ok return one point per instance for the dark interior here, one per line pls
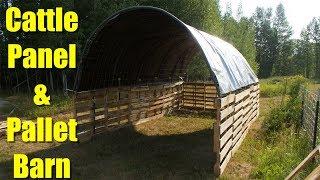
(136, 47)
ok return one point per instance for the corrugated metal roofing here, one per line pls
(147, 44)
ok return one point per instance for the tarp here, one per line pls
(147, 44)
(231, 69)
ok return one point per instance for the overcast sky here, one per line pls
(299, 12)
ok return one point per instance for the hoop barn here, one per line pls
(133, 68)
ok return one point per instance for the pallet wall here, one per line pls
(112, 108)
(200, 95)
(236, 113)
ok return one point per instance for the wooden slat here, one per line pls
(242, 95)
(225, 150)
(225, 125)
(237, 122)
(227, 100)
(225, 162)
(226, 136)
(226, 112)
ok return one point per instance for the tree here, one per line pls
(314, 27)
(265, 40)
(284, 45)
(304, 55)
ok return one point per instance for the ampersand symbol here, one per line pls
(40, 98)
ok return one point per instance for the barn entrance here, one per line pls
(134, 70)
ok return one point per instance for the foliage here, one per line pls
(288, 114)
(271, 88)
(277, 160)
(25, 107)
(241, 34)
(198, 69)
(283, 45)
(314, 35)
(265, 40)
(268, 155)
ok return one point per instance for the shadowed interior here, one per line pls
(136, 47)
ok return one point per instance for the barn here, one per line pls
(133, 70)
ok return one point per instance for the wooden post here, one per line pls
(216, 141)
(204, 96)
(182, 86)
(302, 106)
(74, 112)
(130, 105)
(194, 96)
(118, 108)
(106, 109)
(93, 114)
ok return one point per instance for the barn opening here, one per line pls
(134, 69)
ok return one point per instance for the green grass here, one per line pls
(25, 107)
(176, 146)
(277, 86)
(273, 148)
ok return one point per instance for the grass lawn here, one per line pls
(24, 106)
(170, 147)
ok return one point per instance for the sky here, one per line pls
(298, 12)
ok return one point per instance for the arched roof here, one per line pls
(147, 44)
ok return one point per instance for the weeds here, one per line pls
(24, 106)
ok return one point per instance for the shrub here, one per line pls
(289, 113)
(271, 90)
(277, 160)
(278, 86)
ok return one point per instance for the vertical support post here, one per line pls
(194, 96)
(118, 106)
(130, 105)
(177, 95)
(182, 86)
(139, 109)
(216, 140)
(74, 112)
(204, 95)
(93, 114)
(302, 106)
(106, 109)
(315, 131)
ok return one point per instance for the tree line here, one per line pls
(265, 39)
(278, 54)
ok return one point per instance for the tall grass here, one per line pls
(285, 148)
(277, 86)
(25, 107)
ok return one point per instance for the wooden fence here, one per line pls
(235, 114)
(200, 95)
(112, 108)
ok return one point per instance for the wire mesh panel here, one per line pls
(310, 115)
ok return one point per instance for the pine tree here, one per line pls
(265, 41)
(304, 55)
(314, 27)
(284, 44)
